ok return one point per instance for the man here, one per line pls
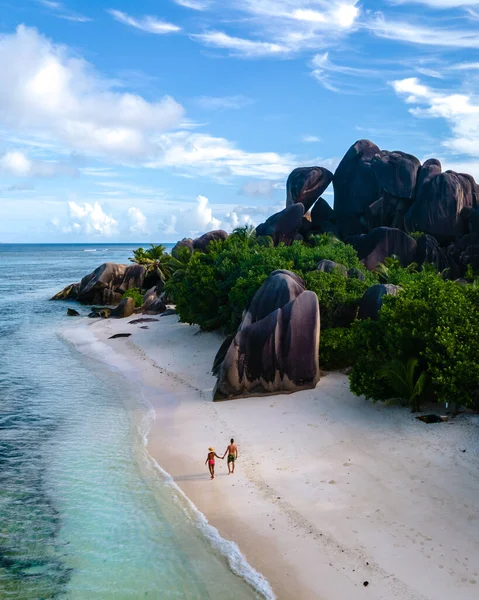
(232, 452)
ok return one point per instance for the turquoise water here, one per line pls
(84, 513)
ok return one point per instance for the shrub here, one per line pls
(431, 320)
(336, 348)
(218, 286)
(338, 297)
(136, 294)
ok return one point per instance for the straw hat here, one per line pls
(211, 449)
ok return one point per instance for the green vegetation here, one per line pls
(216, 287)
(423, 346)
(136, 294)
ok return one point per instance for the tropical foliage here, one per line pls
(136, 294)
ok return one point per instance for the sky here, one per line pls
(156, 120)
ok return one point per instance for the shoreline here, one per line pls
(371, 496)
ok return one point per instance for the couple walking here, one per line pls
(231, 451)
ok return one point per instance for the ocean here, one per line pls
(84, 512)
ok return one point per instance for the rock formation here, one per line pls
(276, 346)
(306, 184)
(125, 309)
(372, 300)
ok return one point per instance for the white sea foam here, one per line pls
(93, 250)
(88, 344)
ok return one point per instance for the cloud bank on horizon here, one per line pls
(165, 120)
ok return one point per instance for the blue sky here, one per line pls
(155, 120)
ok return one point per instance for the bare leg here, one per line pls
(234, 462)
(211, 471)
(229, 468)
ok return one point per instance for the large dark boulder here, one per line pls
(276, 354)
(439, 204)
(288, 224)
(372, 300)
(355, 188)
(70, 292)
(306, 184)
(279, 288)
(396, 172)
(323, 218)
(125, 309)
(374, 247)
(102, 285)
(429, 251)
(429, 169)
(184, 243)
(466, 252)
(201, 243)
(329, 266)
(152, 302)
(133, 277)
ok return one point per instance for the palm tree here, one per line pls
(156, 261)
(401, 377)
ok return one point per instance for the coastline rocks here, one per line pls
(355, 188)
(323, 218)
(278, 353)
(372, 300)
(152, 303)
(438, 206)
(71, 312)
(100, 286)
(278, 289)
(133, 277)
(100, 312)
(119, 335)
(184, 243)
(396, 172)
(306, 184)
(201, 243)
(125, 309)
(374, 247)
(429, 251)
(70, 292)
(429, 169)
(329, 266)
(288, 224)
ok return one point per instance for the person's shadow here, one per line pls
(197, 476)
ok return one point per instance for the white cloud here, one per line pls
(148, 24)
(240, 46)
(192, 220)
(310, 139)
(15, 163)
(443, 3)
(137, 222)
(417, 34)
(18, 164)
(213, 156)
(260, 188)
(223, 102)
(62, 12)
(324, 71)
(59, 96)
(461, 111)
(286, 27)
(88, 219)
(194, 4)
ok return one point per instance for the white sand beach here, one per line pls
(334, 497)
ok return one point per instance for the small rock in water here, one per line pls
(71, 312)
(144, 327)
(119, 335)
